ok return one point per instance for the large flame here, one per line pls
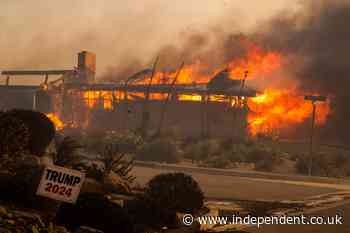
(281, 108)
(257, 62)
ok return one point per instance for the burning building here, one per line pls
(75, 99)
(187, 101)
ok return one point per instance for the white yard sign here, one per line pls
(60, 183)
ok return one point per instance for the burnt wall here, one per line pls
(182, 118)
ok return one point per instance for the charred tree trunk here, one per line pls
(166, 101)
(145, 117)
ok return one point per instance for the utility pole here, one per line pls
(314, 100)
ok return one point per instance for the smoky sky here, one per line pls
(318, 40)
(48, 34)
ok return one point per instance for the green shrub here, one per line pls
(302, 164)
(218, 162)
(93, 142)
(324, 164)
(41, 129)
(203, 150)
(126, 142)
(165, 195)
(264, 159)
(237, 153)
(25, 130)
(257, 154)
(14, 135)
(160, 150)
(266, 164)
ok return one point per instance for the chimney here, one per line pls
(86, 66)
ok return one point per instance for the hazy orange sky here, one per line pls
(48, 33)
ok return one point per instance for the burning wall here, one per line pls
(184, 118)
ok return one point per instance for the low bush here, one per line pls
(218, 162)
(176, 191)
(202, 150)
(127, 142)
(237, 153)
(159, 150)
(14, 135)
(41, 129)
(323, 164)
(165, 195)
(94, 143)
(25, 130)
(264, 159)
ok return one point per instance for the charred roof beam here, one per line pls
(34, 72)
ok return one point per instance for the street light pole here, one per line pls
(312, 137)
(313, 100)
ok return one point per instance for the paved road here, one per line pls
(343, 210)
(247, 188)
(234, 187)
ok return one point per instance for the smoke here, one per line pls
(314, 39)
(211, 49)
(317, 38)
(49, 34)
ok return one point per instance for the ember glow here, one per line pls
(190, 73)
(56, 120)
(94, 98)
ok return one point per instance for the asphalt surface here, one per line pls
(243, 188)
(248, 188)
(343, 210)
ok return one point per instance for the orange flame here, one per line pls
(257, 62)
(59, 125)
(94, 98)
(276, 109)
(192, 73)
